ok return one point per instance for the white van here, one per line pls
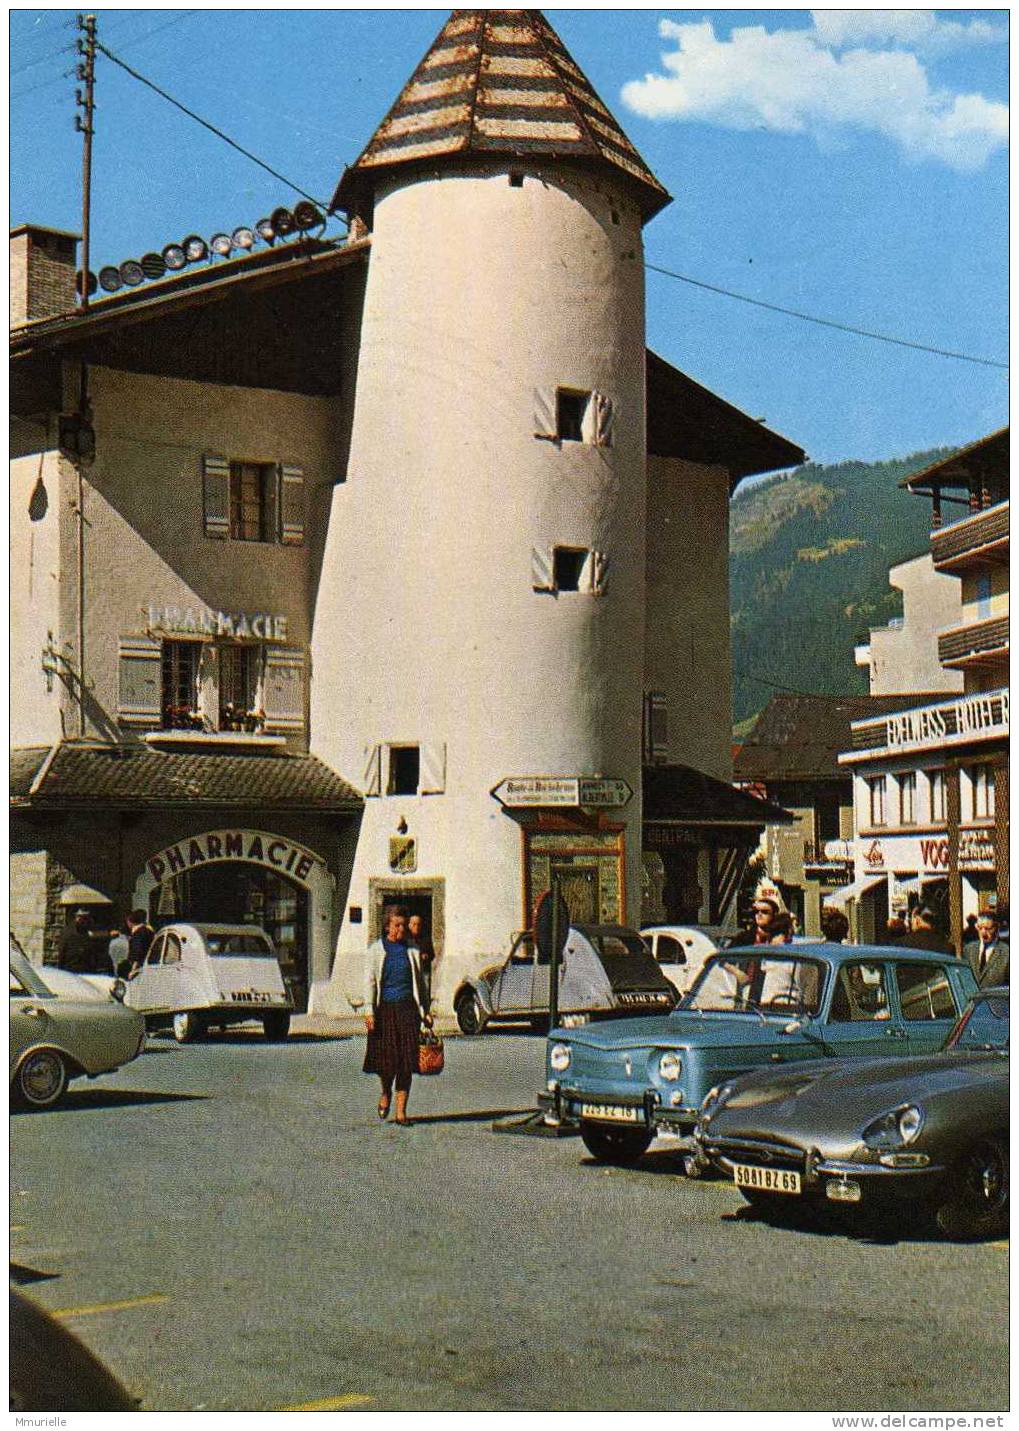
(202, 976)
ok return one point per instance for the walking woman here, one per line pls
(394, 999)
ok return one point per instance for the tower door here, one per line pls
(578, 885)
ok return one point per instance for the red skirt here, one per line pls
(392, 1051)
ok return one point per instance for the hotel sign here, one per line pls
(954, 720)
(203, 621)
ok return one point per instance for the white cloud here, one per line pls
(788, 81)
(919, 29)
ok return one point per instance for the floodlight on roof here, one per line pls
(283, 222)
(79, 283)
(265, 231)
(243, 237)
(221, 244)
(306, 216)
(174, 257)
(110, 279)
(132, 273)
(153, 265)
(195, 248)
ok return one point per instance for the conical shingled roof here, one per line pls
(499, 81)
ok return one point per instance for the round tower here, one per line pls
(480, 615)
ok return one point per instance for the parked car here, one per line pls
(927, 1133)
(50, 1369)
(57, 1038)
(606, 969)
(774, 1004)
(202, 976)
(682, 950)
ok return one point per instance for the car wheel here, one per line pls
(469, 1014)
(974, 1202)
(41, 1079)
(276, 1026)
(620, 1146)
(187, 1026)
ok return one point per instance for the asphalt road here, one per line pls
(229, 1226)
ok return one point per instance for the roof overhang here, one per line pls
(983, 461)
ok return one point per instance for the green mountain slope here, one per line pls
(809, 559)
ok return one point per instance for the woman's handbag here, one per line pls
(431, 1054)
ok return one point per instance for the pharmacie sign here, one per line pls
(251, 846)
(203, 621)
(954, 720)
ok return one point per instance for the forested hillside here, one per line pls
(810, 554)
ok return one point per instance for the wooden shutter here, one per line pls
(291, 506)
(372, 779)
(598, 573)
(432, 779)
(283, 689)
(208, 686)
(140, 682)
(604, 419)
(542, 572)
(545, 421)
(216, 497)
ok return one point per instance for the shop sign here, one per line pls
(838, 851)
(669, 837)
(252, 846)
(203, 621)
(953, 720)
(403, 854)
(929, 854)
(874, 856)
(976, 848)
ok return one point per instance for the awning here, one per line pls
(82, 894)
(846, 892)
(680, 795)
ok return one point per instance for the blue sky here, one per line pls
(851, 164)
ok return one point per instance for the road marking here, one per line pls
(333, 1403)
(1002, 1246)
(93, 1307)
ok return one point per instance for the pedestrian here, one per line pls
(120, 950)
(924, 935)
(140, 936)
(988, 953)
(896, 930)
(82, 947)
(417, 938)
(970, 933)
(395, 1011)
(834, 926)
(782, 928)
(766, 911)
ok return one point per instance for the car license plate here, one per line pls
(772, 1180)
(612, 1112)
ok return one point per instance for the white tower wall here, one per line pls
(427, 629)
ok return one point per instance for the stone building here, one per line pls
(387, 569)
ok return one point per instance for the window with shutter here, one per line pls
(433, 769)
(139, 700)
(604, 412)
(283, 690)
(545, 413)
(542, 577)
(291, 506)
(656, 727)
(216, 497)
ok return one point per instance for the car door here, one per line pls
(512, 989)
(670, 955)
(862, 1019)
(30, 1017)
(155, 987)
(927, 1004)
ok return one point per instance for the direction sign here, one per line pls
(605, 792)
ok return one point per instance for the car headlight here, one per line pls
(715, 1098)
(896, 1129)
(670, 1066)
(559, 1057)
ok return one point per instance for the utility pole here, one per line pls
(86, 46)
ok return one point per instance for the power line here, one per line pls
(826, 322)
(41, 59)
(129, 40)
(212, 128)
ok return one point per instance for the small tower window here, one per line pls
(571, 410)
(516, 181)
(404, 769)
(567, 567)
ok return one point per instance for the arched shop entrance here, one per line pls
(248, 877)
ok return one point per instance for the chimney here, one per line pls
(43, 266)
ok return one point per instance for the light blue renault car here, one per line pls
(626, 1080)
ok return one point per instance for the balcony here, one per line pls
(978, 643)
(974, 541)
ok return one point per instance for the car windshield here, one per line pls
(251, 946)
(748, 983)
(983, 1025)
